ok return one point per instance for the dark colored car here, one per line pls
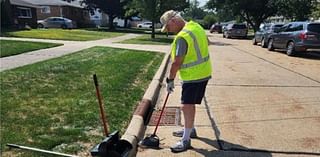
(262, 35)
(235, 30)
(296, 37)
(216, 28)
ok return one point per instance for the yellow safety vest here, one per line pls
(196, 64)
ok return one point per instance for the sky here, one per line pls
(203, 2)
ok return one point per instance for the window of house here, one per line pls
(24, 12)
(45, 10)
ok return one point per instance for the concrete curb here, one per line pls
(137, 126)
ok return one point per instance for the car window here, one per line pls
(239, 26)
(296, 27)
(289, 28)
(314, 27)
(277, 26)
(50, 19)
(284, 28)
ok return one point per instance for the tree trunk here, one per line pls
(153, 32)
(125, 23)
(111, 27)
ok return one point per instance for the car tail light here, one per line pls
(304, 36)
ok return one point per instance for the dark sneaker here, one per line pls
(181, 146)
(180, 133)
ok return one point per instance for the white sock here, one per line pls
(186, 134)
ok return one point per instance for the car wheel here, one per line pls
(63, 26)
(227, 36)
(263, 43)
(254, 41)
(290, 49)
(139, 26)
(223, 36)
(40, 25)
(270, 45)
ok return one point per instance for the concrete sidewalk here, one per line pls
(247, 113)
(69, 47)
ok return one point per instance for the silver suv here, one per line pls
(296, 37)
(263, 34)
(56, 22)
(235, 30)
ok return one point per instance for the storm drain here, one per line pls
(171, 117)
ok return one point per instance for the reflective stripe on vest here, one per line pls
(199, 57)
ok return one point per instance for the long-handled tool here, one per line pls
(111, 146)
(153, 141)
(40, 150)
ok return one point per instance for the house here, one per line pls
(18, 14)
(59, 8)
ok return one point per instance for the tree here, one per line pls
(209, 19)
(153, 9)
(296, 10)
(254, 12)
(113, 8)
(194, 11)
(6, 13)
(316, 11)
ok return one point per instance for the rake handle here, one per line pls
(163, 107)
(103, 117)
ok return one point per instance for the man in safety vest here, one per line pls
(190, 57)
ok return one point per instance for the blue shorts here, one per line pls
(192, 93)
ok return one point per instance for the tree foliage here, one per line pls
(209, 19)
(316, 11)
(153, 9)
(113, 8)
(194, 11)
(254, 12)
(297, 10)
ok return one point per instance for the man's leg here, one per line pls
(189, 111)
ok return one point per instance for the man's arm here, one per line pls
(175, 66)
(181, 51)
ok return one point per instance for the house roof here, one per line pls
(53, 3)
(24, 3)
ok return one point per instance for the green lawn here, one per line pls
(63, 34)
(11, 47)
(146, 39)
(52, 104)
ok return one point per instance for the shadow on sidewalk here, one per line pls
(228, 150)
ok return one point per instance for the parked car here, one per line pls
(55, 22)
(296, 37)
(235, 30)
(216, 28)
(145, 25)
(262, 35)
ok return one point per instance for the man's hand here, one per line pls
(170, 85)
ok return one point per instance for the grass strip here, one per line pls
(12, 47)
(52, 104)
(146, 39)
(62, 34)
